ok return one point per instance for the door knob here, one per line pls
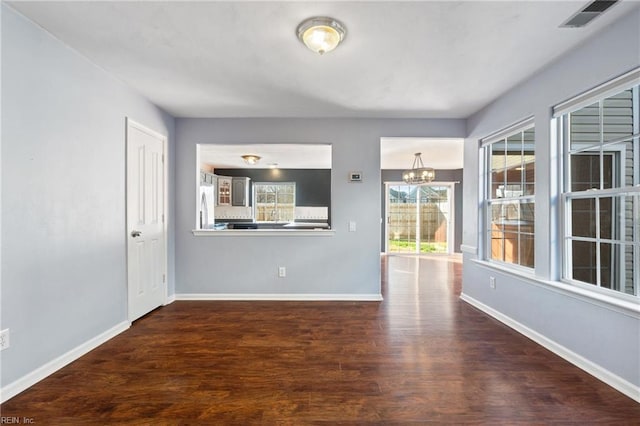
(135, 233)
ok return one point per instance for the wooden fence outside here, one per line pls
(433, 226)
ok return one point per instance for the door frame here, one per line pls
(130, 123)
(452, 205)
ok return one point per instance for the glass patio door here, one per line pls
(401, 219)
(419, 218)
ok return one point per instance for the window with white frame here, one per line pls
(509, 194)
(599, 133)
(274, 201)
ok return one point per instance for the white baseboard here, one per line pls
(282, 297)
(613, 380)
(170, 300)
(25, 382)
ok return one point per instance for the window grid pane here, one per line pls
(275, 202)
(511, 231)
(509, 198)
(602, 212)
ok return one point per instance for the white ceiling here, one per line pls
(284, 156)
(439, 153)
(242, 59)
(395, 153)
(416, 59)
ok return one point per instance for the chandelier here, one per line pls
(418, 172)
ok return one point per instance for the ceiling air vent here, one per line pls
(588, 13)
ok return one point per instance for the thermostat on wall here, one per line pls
(355, 176)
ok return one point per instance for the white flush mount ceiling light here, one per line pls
(418, 172)
(321, 33)
(251, 159)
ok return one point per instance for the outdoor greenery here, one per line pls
(410, 245)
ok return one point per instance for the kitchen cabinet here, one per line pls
(207, 178)
(224, 191)
(240, 191)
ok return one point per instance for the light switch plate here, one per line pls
(4, 339)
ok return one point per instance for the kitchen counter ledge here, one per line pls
(263, 232)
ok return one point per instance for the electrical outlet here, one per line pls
(352, 226)
(492, 282)
(4, 339)
(282, 271)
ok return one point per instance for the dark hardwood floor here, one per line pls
(421, 356)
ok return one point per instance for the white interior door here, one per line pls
(146, 245)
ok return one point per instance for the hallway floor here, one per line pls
(420, 356)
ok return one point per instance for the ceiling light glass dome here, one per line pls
(321, 34)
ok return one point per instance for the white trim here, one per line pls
(613, 380)
(464, 248)
(197, 189)
(602, 193)
(263, 233)
(451, 237)
(615, 303)
(142, 128)
(387, 217)
(520, 126)
(30, 379)
(612, 87)
(169, 300)
(364, 297)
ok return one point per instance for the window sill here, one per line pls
(263, 232)
(620, 303)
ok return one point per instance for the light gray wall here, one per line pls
(602, 335)
(347, 263)
(63, 196)
(455, 175)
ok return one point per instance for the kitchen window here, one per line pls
(599, 132)
(275, 201)
(509, 195)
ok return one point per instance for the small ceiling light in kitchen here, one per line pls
(321, 33)
(418, 172)
(251, 159)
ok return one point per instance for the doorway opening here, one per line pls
(419, 218)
